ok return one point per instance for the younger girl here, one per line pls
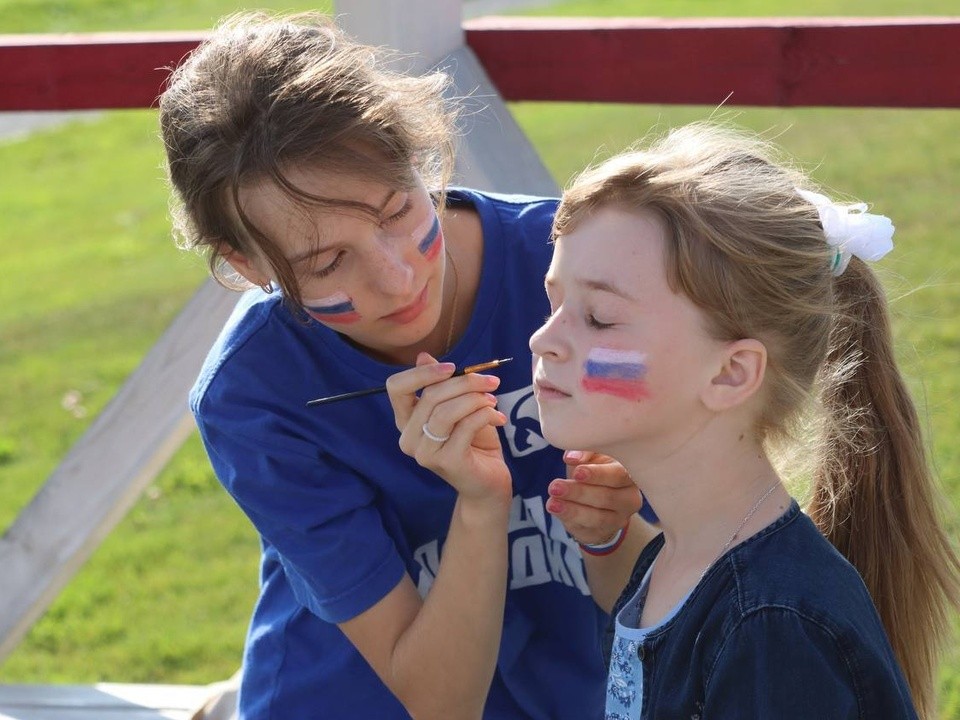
(700, 296)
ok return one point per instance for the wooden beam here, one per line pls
(103, 701)
(853, 62)
(88, 71)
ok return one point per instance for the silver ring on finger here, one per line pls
(435, 438)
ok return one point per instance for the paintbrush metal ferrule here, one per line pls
(480, 367)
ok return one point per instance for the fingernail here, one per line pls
(491, 397)
(444, 368)
(580, 474)
(557, 489)
(573, 455)
(554, 506)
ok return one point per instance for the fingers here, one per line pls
(442, 415)
(404, 386)
(598, 469)
(598, 501)
(462, 436)
(441, 405)
(623, 500)
(579, 457)
(587, 524)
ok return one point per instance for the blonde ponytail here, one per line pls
(874, 496)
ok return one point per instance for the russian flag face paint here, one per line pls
(336, 309)
(615, 372)
(432, 242)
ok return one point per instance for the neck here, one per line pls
(704, 489)
(463, 237)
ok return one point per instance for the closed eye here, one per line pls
(596, 324)
(334, 264)
(399, 215)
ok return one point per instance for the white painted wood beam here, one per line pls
(106, 470)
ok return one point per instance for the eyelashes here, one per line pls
(396, 217)
(596, 324)
(324, 271)
(399, 215)
(590, 320)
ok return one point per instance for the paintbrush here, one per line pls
(480, 367)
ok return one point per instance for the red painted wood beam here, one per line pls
(894, 62)
(88, 71)
(855, 62)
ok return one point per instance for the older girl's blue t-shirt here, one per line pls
(342, 513)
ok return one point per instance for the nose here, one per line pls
(546, 341)
(393, 274)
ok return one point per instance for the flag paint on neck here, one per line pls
(432, 242)
(336, 308)
(615, 372)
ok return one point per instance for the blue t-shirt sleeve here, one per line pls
(317, 514)
(779, 664)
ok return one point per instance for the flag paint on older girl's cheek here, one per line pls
(432, 242)
(336, 308)
(615, 372)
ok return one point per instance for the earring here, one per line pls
(267, 287)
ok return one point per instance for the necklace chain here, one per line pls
(746, 519)
(453, 304)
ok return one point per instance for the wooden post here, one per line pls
(424, 30)
(493, 154)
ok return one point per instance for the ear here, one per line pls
(249, 268)
(743, 364)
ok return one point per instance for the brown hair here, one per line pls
(266, 93)
(750, 252)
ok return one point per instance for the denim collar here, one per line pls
(654, 547)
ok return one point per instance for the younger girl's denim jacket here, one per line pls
(780, 628)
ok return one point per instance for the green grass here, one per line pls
(31, 16)
(92, 278)
(749, 8)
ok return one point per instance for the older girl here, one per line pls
(307, 170)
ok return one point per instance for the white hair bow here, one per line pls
(851, 230)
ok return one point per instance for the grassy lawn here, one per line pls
(93, 278)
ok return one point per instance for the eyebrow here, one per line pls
(307, 254)
(314, 251)
(598, 286)
(604, 286)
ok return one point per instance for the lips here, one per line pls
(411, 312)
(547, 390)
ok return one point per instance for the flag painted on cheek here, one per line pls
(432, 243)
(336, 308)
(614, 372)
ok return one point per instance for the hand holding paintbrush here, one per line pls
(448, 422)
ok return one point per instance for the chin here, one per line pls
(415, 333)
(559, 436)
(567, 437)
